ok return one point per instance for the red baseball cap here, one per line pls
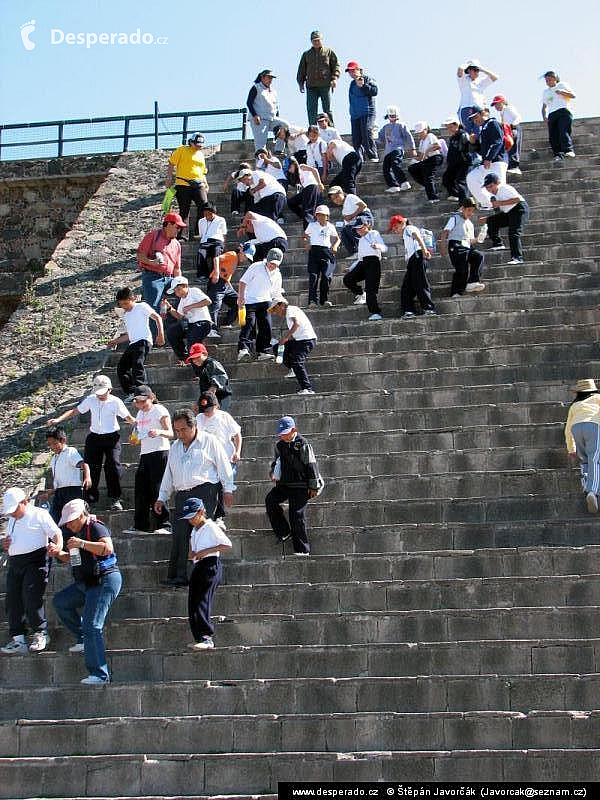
(396, 220)
(499, 98)
(173, 217)
(352, 65)
(195, 351)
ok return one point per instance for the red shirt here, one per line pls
(157, 242)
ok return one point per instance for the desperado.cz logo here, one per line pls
(58, 37)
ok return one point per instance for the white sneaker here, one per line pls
(374, 160)
(213, 335)
(375, 317)
(327, 304)
(116, 505)
(243, 354)
(280, 220)
(430, 313)
(76, 648)
(360, 299)
(163, 530)
(558, 159)
(435, 200)
(393, 189)
(591, 502)
(16, 645)
(497, 247)
(290, 374)
(407, 315)
(206, 643)
(455, 297)
(474, 287)
(570, 154)
(265, 357)
(404, 187)
(94, 680)
(514, 171)
(453, 198)
(305, 391)
(515, 261)
(39, 642)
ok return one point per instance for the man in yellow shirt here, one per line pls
(188, 168)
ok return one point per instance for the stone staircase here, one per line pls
(445, 627)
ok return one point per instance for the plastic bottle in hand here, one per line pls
(481, 236)
(242, 316)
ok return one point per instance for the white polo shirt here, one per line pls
(32, 532)
(222, 425)
(272, 185)
(351, 204)
(216, 228)
(321, 235)
(194, 295)
(65, 471)
(411, 246)
(471, 92)
(314, 153)
(306, 177)
(103, 413)
(305, 329)
(266, 229)
(204, 461)
(262, 284)
(366, 242)
(137, 323)
(508, 192)
(207, 536)
(553, 101)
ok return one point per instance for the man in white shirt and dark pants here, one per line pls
(196, 465)
(28, 533)
(555, 111)
(212, 230)
(298, 341)
(512, 212)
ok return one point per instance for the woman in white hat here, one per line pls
(429, 158)
(83, 606)
(582, 435)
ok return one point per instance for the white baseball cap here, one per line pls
(72, 510)
(322, 210)
(101, 385)
(11, 499)
(180, 281)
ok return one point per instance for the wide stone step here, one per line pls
(374, 595)
(219, 774)
(435, 625)
(369, 731)
(300, 695)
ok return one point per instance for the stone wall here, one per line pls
(39, 202)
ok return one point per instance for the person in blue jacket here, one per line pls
(361, 95)
(491, 149)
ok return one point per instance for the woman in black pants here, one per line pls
(430, 159)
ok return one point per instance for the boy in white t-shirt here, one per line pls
(193, 306)
(322, 240)
(136, 317)
(207, 542)
(298, 341)
(70, 473)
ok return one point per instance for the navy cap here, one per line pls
(475, 110)
(285, 425)
(491, 178)
(191, 507)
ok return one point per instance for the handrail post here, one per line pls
(184, 132)
(156, 125)
(60, 139)
(126, 135)
(244, 120)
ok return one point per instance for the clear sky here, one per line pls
(214, 50)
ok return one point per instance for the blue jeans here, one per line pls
(87, 624)
(154, 287)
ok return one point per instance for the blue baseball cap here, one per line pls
(191, 507)
(249, 249)
(285, 425)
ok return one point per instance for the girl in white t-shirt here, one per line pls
(322, 241)
(154, 432)
(429, 159)
(415, 283)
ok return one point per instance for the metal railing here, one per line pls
(118, 134)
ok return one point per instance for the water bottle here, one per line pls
(75, 557)
(481, 236)
(279, 355)
(164, 304)
(242, 316)
(159, 258)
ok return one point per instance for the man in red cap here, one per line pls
(361, 95)
(159, 259)
(211, 374)
(509, 116)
